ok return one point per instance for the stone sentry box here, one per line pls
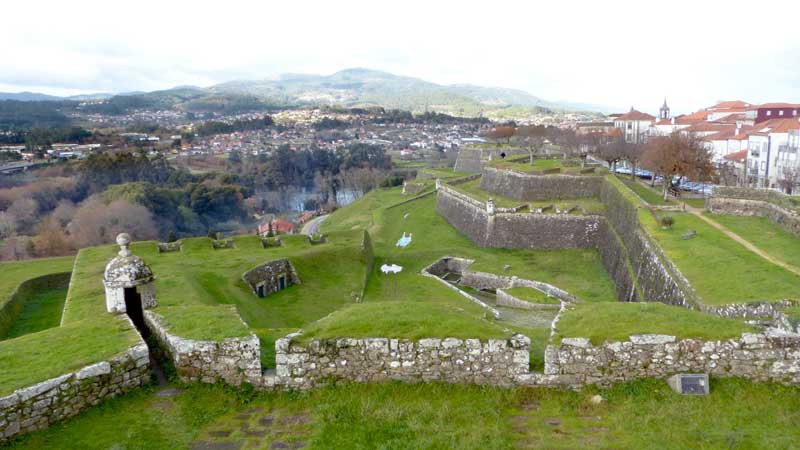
(270, 277)
(128, 281)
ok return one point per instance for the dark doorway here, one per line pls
(282, 282)
(261, 291)
(133, 305)
(503, 155)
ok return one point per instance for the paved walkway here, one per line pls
(310, 228)
(744, 242)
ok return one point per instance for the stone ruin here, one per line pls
(271, 277)
(129, 282)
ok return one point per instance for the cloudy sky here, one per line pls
(618, 53)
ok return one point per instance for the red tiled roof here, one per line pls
(282, 226)
(728, 105)
(636, 115)
(776, 105)
(739, 156)
(701, 127)
(777, 126)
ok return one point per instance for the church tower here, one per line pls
(664, 111)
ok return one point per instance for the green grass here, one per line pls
(196, 287)
(650, 195)
(16, 272)
(443, 173)
(720, 270)
(616, 321)
(36, 357)
(764, 234)
(640, 415)
(473, 190)
(408, 320)
(532, 295)
(695, 202)
(40, 312)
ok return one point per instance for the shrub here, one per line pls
(667, 222)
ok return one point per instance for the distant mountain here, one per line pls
(347, 88)
(27, 96)
(364, 87)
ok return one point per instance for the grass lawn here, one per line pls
(16, 272)
(637, 415)
(473, 189)
(616, 321)
(695, 202)
(36, 357)
(648, 194)
(720, 269)
(429, 173)
(40, 312)
(532, 295)
(764, 234)
(408, 320)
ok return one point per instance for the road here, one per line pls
(312, 226)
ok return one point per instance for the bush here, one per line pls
(392, 181)
(667, 222)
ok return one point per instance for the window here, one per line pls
(769, 113)
(780, 113)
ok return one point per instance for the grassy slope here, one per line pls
(639, 415)
(37, 357)
(719, 269)
(40, 312)
(16, 272)
(765, 235)
(650, 195)
(615, 321)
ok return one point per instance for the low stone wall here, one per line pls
(496, 362)
(11, 307)
(232, 360)
(760, 357)
(474, 159)
(39, 406)
(515, 230)
(785, 218)
(525, 187)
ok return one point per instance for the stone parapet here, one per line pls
(40, 405)
(232, 360)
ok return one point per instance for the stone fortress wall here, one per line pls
(779, 208)
(474, 159)
(40, 405)
(638, 267)
(232, 360)
(771, 357)
(515, 230)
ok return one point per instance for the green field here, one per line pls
(16, 272)
(473, 189)
(720, 269)
(641, 415)
(764, 234)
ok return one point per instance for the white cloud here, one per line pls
(621, 53)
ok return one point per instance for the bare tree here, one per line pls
(789, 179)
(533, 136)
(51, 240)
(633, 154)
(501, 132)
(678, 155)
(97, 223)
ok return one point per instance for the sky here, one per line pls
(617, 54)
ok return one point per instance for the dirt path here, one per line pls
(311, 227)
(699, 213)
